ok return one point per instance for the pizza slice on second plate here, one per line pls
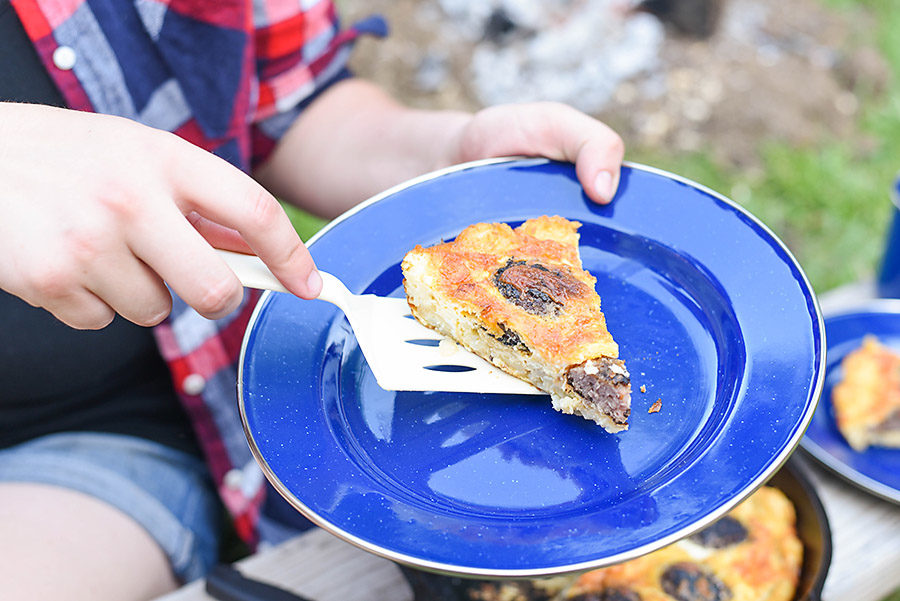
(867, 399)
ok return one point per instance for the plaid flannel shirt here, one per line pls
(229, 76)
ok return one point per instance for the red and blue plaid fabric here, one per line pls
(229, 76)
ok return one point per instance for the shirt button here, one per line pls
(193, 384)
(234, 478)
(64, 58)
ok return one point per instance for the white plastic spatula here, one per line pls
(402, 353)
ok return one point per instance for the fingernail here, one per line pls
(314, 283)
(603, 185)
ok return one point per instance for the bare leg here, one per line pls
(60, 544)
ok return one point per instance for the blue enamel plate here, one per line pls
(713, 316)
(877, 469)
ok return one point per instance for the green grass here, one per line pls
(829, 204)
(305, 224)
(829, 208)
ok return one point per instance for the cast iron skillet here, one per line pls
(812, 527)
(791, 479)
(227, 584)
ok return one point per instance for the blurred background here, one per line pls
(789, 107)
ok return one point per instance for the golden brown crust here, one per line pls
(465, 269)
(751, 554)
(867, 399)
(762, 563)
(767, 566)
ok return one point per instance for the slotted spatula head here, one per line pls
(402, 353)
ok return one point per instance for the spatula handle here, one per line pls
(253, 273)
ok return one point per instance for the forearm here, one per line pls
(355, 141)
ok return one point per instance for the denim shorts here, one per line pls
(168, 492)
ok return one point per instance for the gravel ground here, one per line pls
(771, 70)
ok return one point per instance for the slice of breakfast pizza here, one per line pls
(520, 299)
(867, 400)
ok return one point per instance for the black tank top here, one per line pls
(54, 378)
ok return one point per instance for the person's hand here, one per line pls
(552, 130)
(97, 212)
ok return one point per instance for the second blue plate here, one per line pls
(877, 469)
